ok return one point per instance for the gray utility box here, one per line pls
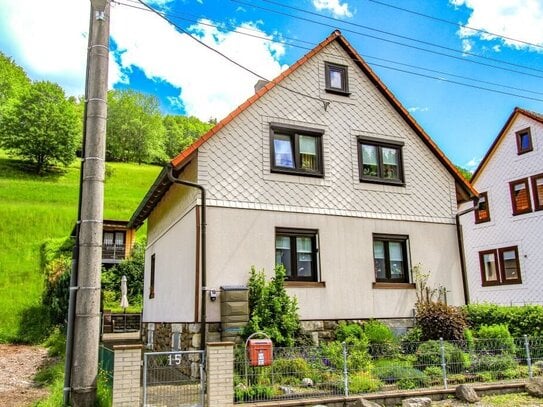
(234, 311)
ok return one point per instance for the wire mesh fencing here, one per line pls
(173, 379)
(341, 369)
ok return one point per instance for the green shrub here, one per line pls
(494, 339)
(521, 320)
(363, 382)
(271, 310)
(401, 373)
(409, 341)
(345, 331)
(382, 340)
(253, 393)
(358, 357)
(439, 320)
(429, 354)
(297, 368)
(492, 363)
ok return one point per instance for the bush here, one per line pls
(521, 320)
(494, 339)
(363, 382)
(429, 354)
(271, 310)
(381, 339)
(358, 357)
(253, 393)
(297, 368)
(439, 320)
(410, 340)
(346, 331)
(492, 363)
(401, 373)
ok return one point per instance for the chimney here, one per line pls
(260, 84)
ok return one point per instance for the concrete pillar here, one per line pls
(126, 375)
(220, 374)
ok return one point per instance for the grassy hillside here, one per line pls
(33, 209)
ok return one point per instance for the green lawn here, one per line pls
(33, 209)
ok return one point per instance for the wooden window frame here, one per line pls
(512, 184)
(152, 277)
(403, 239)
(500, 267)
(344, 89)
(478, 217)
(380, 144)
(292, 234)
(294, 132)
(538, 203)
(518, 135)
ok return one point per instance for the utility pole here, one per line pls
(86, 324)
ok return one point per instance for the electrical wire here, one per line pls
(379, 31)
(531, 44)
(150, 9)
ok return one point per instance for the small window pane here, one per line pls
(489, 262)
(119, 239)
(283, 253)
(369, 160)
(379, 259)
(336, 79)
(284, 156)
(510, 265)
(522, 201)
(308, 152)
(538, 191)
(108, 238)
(390, 163)
(525, 141)
(396, 259)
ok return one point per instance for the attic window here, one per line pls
(336, 79)
(524, 141)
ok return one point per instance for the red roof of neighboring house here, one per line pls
(162, 184)
(533, 115)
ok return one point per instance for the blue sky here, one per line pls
(404, 41)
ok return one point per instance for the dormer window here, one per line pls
(336, 79)
(524, 141)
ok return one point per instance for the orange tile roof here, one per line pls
(161, 184)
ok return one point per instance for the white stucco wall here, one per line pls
(504, 229)
(239, 239)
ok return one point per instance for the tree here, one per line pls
(134, 128)
(41, 127)
(13, 82)
(467, 174)
(182, 131)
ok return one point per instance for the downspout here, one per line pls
(460, 237)
(203, 252)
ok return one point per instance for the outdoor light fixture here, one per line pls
(212, 294)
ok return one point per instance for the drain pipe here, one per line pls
(460, 237)
(203, 252)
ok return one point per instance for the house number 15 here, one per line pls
(175, 360)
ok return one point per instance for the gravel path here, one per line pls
(18, 365)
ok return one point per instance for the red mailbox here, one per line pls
(260, 352)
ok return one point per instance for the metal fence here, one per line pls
(120, 322)
(106, 365)
(338, 369)
(173, 379)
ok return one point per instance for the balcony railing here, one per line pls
(113, 253)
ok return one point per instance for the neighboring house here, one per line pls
(503, 237)
(323, 171)
(117, 241)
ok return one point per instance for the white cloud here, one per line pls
(467, 45)
(50, 46)
(337, 8)
(417, 109)
(518, 19)
(472, 164)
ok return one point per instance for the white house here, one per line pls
(503, 239)
(322, 170)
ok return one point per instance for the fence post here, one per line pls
(443, 361)
(126, 375)
(528, 357)
(220, 374)
(345, 371)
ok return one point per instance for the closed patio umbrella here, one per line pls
(124, 292)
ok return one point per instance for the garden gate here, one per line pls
(174, 378)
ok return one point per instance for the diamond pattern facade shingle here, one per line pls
(235, 164)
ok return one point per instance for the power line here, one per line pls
(380, 31)
(150, 9)
(531, 44)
